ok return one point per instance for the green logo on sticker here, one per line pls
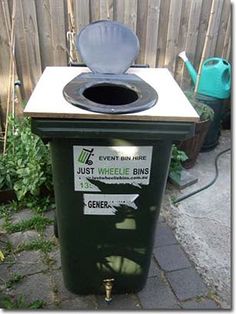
(85, 155)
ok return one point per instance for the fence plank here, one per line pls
(226, 50)
(94, 10)
(183, 32)
(223, 28)
(4, 57)
(130, 14)
(162, 33)
(152, 32)
(191, 38)
(104, 10)
(214, 29)
(58, 32)
(81, 14)
(119, 7)
(141, 28)
(45, 32)
(27, 45)
(172, 34)
(204, 18)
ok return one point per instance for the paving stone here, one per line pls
(56, 257)
(201, 305)
(58, 283)
(35, 287)
(5, 274)
(18, 238)
(157, 295)
(164, 235)
(28, 262)
(186, 283)
(154, 270)
(49, 232)
(161, 218)
(50, 214)
(171, 257)
(186, 179)
(24, 214)
(119, 302)
(79, 303)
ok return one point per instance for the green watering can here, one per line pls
(215, 76)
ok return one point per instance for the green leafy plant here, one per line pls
(177, 157)
(26, 165)
(204, 111)
(10, 303)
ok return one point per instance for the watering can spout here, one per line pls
(189, 66)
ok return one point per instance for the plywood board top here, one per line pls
(47, 100)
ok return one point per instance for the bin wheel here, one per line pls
(55, 227)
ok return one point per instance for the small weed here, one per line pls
(41, 205)
(213, 296)
(20, 303)
(8, 249)
(44, 245)
(38, 223)
(13, 280)
(5, 210)
(49, 261)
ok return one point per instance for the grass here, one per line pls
(45, 246)
(10, 303)
(38, 223)
(13, 280)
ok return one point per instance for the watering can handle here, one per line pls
(215, 59)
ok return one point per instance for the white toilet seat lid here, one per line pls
(107, 46)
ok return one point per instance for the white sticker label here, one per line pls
(107, 204)
(111, 165)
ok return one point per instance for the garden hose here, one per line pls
(209, 184)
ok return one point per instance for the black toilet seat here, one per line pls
(108, 48)
(111, 94)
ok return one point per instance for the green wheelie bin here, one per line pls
(109, 169)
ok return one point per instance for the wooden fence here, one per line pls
(34, 34)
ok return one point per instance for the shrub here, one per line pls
(26, 165)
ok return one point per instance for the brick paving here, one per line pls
(172, 283)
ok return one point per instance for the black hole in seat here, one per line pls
(109, 94)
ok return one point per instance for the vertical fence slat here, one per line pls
(104, 10)
(58, 32)
(183, 31)
(27, 45)
(130, 14)
(94, 10)
(81, 14)
(204, 18)
(214, 28)
(141, 28)
(172, 34)
(4, 57)
(223, 28)
(45, 32)
(162, 33)
(226, 50)
(119, 7)
(152, 32)
(191, 38)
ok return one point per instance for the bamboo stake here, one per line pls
(205, 46)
